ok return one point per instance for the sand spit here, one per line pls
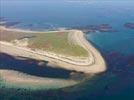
(13, 78)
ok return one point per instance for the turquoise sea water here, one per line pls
(117, 83)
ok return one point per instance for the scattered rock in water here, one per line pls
(106, 28)
(129, 25)
(96, 28)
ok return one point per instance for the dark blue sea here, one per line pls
(117, 47)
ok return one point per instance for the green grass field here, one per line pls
(56, 42)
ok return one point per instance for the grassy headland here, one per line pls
(56, 42)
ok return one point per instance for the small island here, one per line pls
(65, 49)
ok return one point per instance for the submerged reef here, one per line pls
(129, 25)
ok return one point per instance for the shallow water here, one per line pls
(31, 67)
(116, 47)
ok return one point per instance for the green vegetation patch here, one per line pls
(56, 42)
